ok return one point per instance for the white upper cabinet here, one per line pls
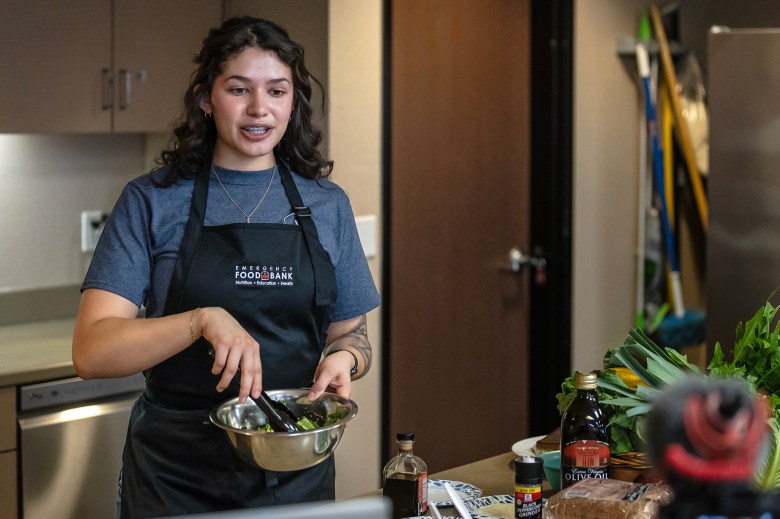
(96, 66)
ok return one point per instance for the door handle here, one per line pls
(108, 88)
(126, 79)
(518, 261)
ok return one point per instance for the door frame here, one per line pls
(551, 205)
(551, 209)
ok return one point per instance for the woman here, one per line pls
(247, 261)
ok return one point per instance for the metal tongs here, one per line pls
(279, 416)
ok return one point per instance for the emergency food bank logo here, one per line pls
(264, 275)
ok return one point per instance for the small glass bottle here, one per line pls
(584, 435)
(405, 480)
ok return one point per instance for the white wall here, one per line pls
(47, 180)
(605, 173)
(355, 146)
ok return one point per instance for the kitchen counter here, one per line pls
(36, 352)
(495, 476)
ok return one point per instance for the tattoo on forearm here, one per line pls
(357, 342)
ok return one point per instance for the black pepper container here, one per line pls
(529, 472)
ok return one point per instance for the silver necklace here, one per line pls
(247, 216)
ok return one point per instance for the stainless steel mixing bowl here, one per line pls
(281, 451)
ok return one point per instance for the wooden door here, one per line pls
(456, 358)
(154, 43)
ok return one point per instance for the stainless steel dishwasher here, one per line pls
(71, 435)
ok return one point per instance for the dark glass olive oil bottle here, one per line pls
(584, 435)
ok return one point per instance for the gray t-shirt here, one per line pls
(138, 248)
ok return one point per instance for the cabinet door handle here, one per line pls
(127, 89)
(108, 89)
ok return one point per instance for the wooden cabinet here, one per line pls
(52, 54)
(154, 44)
(93, 66)
(7, 418)
(8, 486)
(8, 480)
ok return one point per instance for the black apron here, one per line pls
(277, 281)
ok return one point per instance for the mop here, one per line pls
(683, 134)
(649, 253)
(684, 327)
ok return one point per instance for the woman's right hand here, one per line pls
(233, 347)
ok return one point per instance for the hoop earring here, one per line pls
(207, 115)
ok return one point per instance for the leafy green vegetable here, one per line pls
(305, 424)
(335, 416)
(767, 476)
(756, 358)
(626, 408)
(623, 436)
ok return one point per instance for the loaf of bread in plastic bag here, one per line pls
(609, 498)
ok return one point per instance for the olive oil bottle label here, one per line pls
(582, 459)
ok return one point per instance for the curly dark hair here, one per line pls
(191, 151)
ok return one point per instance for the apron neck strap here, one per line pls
(325, 292)
(191, 234)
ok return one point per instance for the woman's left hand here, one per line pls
(333, 374)
(346, 343)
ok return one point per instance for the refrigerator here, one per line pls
(743, 241)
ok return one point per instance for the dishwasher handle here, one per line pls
(75, 390)
(45, 419)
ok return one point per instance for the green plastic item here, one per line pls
(644, 27)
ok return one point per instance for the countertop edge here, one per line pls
(36, 351)
(38, 374)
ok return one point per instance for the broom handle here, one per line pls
(641, 238)
(658, 176)
(666, 144)
(682, 125)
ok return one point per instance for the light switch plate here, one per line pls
(366, 226)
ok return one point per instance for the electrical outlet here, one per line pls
(92, 223)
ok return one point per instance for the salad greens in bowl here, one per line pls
(323, 423)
